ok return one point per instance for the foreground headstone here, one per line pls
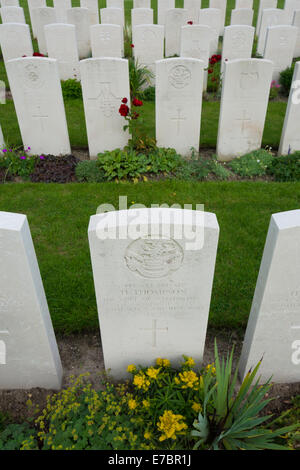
(62, 46)
(105, 82)
(29, 356)
(162, 7)
(112, 16)
(106, 40)
(61, 7)
(148, 43)
(263, 5)
(92, 6)
(221, 5)
(195, 43)
(290, 137)
(32, 4)
(270, 17)
(192, 7)
(151, 285)
(43, 16)
(237, 43)
(12, 15)
(80, 18)
(272, 334)
(279, 48)
(175, 18)
(179, 85)
(296, 22)
(15, 40)
(141, 16)
(37, 95)
(242, 16)
(243, 106)
(211, 17)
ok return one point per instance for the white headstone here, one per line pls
(148, 43)
(141, 3)
(31, 5)
(242, 16)
(115, 4)
(270, 17)
(92, 6)
(175, 18)
(106, 40)
(192, 7)
(15, 40)
(237, 43)
(9, 3)
(105, 82)
(221, 5)
(263, 5)
(141, 16)
(296, 22)
(280, 46)
(80, 18)
(195, 43)
(290, 137)
(179, 85)
(152, 286)
(37, 95)
(162, 7)
(12, 15)
(212, 17)
(43, 16)
(29, 356)
(290, 6)
(112, 16)
(243, 4)
(272, 334)
(243, 106)
(62, 45)
(2, 143)
(61, 7)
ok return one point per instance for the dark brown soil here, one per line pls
(83, 353)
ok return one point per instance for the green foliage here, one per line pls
(199, 168)
(285, 79)
(127, 41)
(71, 89)
(139, 77)
(12, 437)
(252, 164)
(149, 94)
(285, 167)
(287, 418)
(127, 164)
(17, 163)
(88, 171)
(232, 421)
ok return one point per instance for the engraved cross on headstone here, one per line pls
(243, 120)
(154, 330)
(178, 119)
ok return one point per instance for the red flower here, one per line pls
(37, 54)
(213, 61)
(137, 102)
(189, 22)
(213, 79)
(124, 100)
(131, 45)
(135, 115)
(219, 57)
(210, 71)
(124, 110)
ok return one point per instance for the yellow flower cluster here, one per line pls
(131, 368)
(141, 381)
(210, 368)
(196, 407)
(189, 362)
(163, 362)
(170, 425)
(152, 372)
(188, 379)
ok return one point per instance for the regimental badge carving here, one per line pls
(32, 76)
(180, 76)
(238, 40)
(154, 259)
(248, 80)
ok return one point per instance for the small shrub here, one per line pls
(285, 80)
(274, 90)
(71, 89)
(149, 94)
(16, 162)
(89, 171)
(285, 168)
(287, 418)
(12, 437)
(199, 168)
(251, 164)
(140, 77)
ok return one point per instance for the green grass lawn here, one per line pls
(59, 216)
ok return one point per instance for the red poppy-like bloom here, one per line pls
(37, 54)
(124, 100)
(135, 115)
(189, 22)
(210, 71)
(131, 45)
(124, 110)
(218, 57)
(137, 102)
(213, 61)
(213, 79)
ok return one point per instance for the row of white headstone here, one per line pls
(153, 296)
(37, 95)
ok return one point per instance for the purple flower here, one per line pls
(23, 157)
(4, 150)
(42, 157)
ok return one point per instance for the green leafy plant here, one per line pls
(16, 162)
(140, 77)
(89, 171)
(71, 89)
(232, 421)
(285, 167)
(285, 79)
(128, 46)
(287, 418)
(274, 90)
(252, 164)
(149, 94)
(198, 168)
(214, 73)
(12, 437)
